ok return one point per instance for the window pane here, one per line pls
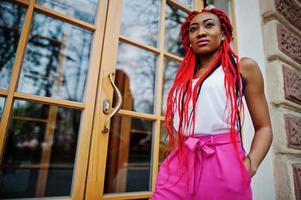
(224, 5)
(81, 9)
(174, 19)
(40, 150)
(164, 139)
(2, 101)
(11, 21)
(135, 78)
(56, 60)
(187, 3)
(140, 20)
(129, 156)
(170, 71)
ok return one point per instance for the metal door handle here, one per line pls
(118, 106)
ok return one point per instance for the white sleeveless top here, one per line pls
(211, 113)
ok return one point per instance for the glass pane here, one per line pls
(11, 21)
(170, 70)
(129, 156)
(187, 3)
(140, 20)
(224, 5)
(164, 139)
(56, 60)
(2, 101)
(135, 78)
(174, 19)
(40, 150)
(81, 9)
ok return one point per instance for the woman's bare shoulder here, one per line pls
(249, 68)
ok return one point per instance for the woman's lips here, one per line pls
(202, 42)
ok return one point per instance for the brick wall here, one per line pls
(282, 44)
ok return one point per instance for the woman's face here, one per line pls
(205, 34)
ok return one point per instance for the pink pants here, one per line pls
(213, 171)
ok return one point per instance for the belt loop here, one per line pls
(211, 139)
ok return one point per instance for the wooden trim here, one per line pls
(179, 6)
(15, 75)
(121, 196)
(49, 100)
(198, 5)
(84, 142)
(135, 43)
(173, 56)
(3, 92)
(129, 113)
(65, 18)
(233, 18)
(99, 141)
(159, 81)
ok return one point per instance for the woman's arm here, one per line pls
(258, 108)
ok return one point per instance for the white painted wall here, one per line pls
(250, 44)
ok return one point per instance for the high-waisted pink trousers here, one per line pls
(213, 171)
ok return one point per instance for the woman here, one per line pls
(203, 113)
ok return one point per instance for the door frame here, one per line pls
(87, 106)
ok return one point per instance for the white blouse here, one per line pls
(211, 112)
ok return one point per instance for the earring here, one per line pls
(189, 45)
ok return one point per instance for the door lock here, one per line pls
(106, 106)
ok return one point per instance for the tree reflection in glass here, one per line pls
(81, 9)
(174, 18)
(170, 70)
(140, 20)
(11, 21)
(56, 60)
(40, 150)
(138, 67)
(187, 3)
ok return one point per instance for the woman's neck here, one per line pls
(206, 60)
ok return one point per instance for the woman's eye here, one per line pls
(192, 29)
(209, 25)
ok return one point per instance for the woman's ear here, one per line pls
(223, 36)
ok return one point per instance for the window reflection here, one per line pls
(224, 5)
(170, 71)
(56, 60)
(81, 9)
(40, 151)
(174, 18)
(2, 101)
(135, 77)
(11, 21)
(129, 156)
(164, 139)
(187, 3)
(140, 20)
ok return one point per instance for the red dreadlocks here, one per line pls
(182, 92)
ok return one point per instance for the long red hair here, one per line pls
(182, 92)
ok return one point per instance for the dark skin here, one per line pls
(205, 37)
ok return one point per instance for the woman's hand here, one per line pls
(249, 167)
